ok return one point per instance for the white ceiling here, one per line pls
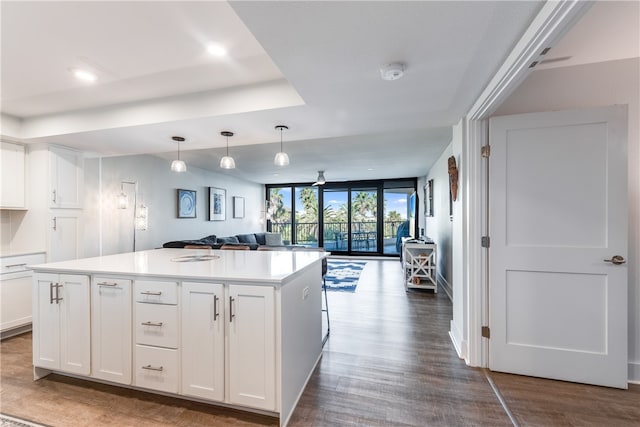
(313, 66)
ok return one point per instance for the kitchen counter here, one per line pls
(259, 267)
(237, 328)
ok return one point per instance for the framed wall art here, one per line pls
(238, 207)
(428, 198)
(186, 203)
(217, 204)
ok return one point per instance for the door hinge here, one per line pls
(485, 151)
(485, 241)
(486, 332)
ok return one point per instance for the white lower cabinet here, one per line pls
(206, 340)
(111, 329)
(203, 323)
(252, 346)
(61, 327)
(156, 333)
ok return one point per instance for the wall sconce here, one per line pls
(140, 213)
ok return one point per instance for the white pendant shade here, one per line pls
(227, 162)
(178, 166)
(281, 159)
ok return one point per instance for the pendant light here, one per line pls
(178, 165)
(281, 159)
(227, 161)
(320, 180)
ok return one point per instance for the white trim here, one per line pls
(458, 343)
(446, 287)
(634, 372)
(552, 22)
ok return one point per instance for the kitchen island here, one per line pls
(234, 328)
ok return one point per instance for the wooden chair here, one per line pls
(197, 247)
(270, 248)
(325, 267)
(235, 248)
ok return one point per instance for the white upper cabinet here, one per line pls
(12, 160)
(66, 169)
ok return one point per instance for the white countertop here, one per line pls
(267, 267)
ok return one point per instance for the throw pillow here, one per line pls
(231, 239)
(273, 239)
(246, 238)
(260, 238)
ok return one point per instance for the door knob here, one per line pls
(616, 259)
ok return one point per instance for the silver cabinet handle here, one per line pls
(152, 323)
(231, 315)
(153, 368)
(55, 223)
(22, 264)
(54, 197)
(111, 285)
(58, 299)
(215, 308)
(51, 293)
(151, 293)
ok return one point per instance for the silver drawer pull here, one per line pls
(16, 265)
(151, 293)
(151, 323)
(153, 368)
(107, 284)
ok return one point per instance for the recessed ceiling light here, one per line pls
(216, 50)
(84, 75)
(370, 169)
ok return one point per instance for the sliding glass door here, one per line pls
(335, 214)
(306, 218)
(365, 217)
(364, 220)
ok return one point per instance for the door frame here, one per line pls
(552, 22)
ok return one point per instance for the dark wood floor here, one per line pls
(388, 362)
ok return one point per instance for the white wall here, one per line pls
(108, 229)
(593, 85)
(439, 226)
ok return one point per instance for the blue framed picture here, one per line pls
(186, 203)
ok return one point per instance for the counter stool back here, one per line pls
(325, 267)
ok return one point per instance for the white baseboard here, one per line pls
(445, 286)
(458, 343)
(634, 372)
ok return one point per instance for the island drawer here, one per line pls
(157, 324)
(157, 368)
(156, 292)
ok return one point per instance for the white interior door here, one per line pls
(558, 210)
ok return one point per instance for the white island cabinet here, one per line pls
(111, 329)
(238, 328)
(61, 332)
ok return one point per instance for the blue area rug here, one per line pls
(342, 276)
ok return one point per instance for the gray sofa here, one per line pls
(253, 240)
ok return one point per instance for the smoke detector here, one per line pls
(392, 71)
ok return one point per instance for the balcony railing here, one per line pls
(306, 233)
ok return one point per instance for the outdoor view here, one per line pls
(360, 235)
